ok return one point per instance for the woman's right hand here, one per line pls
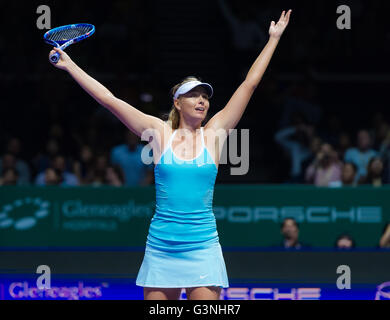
(64, 61)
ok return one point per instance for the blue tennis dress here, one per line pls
(182, 248)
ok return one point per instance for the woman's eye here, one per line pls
(195, 95)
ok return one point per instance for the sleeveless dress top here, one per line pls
(184, 218)
(182, 248)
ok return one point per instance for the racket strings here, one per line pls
(70, 33)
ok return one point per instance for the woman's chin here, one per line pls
(200, 115)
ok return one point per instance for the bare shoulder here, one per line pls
(158, 136)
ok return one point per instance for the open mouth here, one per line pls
(200, 109)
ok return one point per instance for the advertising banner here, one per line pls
(247, 216)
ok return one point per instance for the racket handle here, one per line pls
(55, 57)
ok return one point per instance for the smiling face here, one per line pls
(193, 104)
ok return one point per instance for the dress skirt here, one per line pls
(183, 269)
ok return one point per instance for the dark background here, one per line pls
(149, 46)
(143, 48)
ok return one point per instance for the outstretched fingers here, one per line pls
(285, 16)
(282, 16)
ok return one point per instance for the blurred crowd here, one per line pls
(120, 165)
(314, 158)
(339, 160)
(289, 231)
(289, 141)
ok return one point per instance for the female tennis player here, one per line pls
(182, 248)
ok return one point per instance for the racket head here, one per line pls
(69, 33)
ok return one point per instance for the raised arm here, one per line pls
(131, 117)
(231, 114)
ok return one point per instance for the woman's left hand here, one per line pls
(276, 30)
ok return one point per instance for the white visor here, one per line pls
(188, 86)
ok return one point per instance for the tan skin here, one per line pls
(189, 145)
(190, 119)
(290, 232)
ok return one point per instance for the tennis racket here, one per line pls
(62, 37)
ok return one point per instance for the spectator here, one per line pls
(296, 141)
(128, 157)
(53, 177)
(348, 174)
(42, 160)
(83, 166)
(315, 147)
(14, 148)
(290, 233)
(99, 170)
(374, 173)
(381, 135)
(9, 161)
(380, 129)
(9, 177)
(384, 242)
(114, 176)
(345, 242)
(57, 132)
(361, 155)
(344, 143)
(58, 163)
(385, 154)
(325, 169)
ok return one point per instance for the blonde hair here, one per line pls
(174, 114)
